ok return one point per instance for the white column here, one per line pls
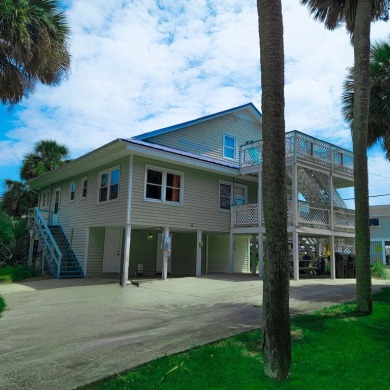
(166, 253)
(294, 188)
(207, 254)
(261, 256)
(296, 255)
(330, 189)
(86, 251)
(199, 245)
(253, 255)
(126, 258)
(231, 253)
(332, 258)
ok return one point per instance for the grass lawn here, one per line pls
(332, 349)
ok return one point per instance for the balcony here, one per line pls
(301, 147)
(312, 215)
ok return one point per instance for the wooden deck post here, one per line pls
(332, 258)
(296, 255)
(166, 253)
(253, 254)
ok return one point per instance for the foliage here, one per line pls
(326, 355)
(46, 156)
(2, 304)
(16, 273)
(17, 198)
(34, 47)
(378, 270)
(14, 247)
(379, 114)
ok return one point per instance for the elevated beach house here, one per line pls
(186, 200)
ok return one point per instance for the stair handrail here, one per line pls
(49, 240)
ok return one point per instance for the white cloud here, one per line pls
(139, 66)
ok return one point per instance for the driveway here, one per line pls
(60, 334)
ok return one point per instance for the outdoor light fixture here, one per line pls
(150, 236)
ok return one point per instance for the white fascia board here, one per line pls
(145, 151)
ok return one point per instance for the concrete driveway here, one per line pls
(60, 334)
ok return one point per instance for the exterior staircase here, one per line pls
(70, 267)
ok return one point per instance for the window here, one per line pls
(375, 222)
(229, 147)
(231, 195)
(72, 190)
(109, 185)
(163, 185)
(84, 187)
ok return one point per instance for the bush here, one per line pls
(378, 270)
(2, 304)
(10, 274)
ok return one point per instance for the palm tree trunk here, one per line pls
(360, 128)
(276, 318)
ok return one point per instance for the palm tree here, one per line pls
(46, 156)
(33, 47)
(379, 113)
(17, 198)
(276, 318)
(357, 15)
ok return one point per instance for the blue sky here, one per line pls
(140, 66)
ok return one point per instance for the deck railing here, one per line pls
(313, 215)
(301, 146)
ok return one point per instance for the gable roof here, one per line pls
(249, 107)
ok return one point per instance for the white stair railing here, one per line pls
(50, 248)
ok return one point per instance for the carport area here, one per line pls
(60, 334)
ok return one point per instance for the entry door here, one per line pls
(159, 259)
(56, 210)
(112, 251)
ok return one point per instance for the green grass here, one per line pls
(332, 349)
(10, 274)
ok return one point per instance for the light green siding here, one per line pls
(183, 259)
(200, 208)
(143, 250)
(241, 254)
(218, 253)
(95, 251)
(382, 231)
(75, 216)
(206, 138)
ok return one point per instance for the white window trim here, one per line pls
(164, 185)
(82, 187)
(70, 191)
(235, 147)
(109, 171)
(232, 185)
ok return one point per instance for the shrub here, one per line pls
(2, 304)
(378, 270)
(10, 274)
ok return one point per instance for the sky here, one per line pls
(139, 66)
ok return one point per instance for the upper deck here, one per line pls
(300, 148)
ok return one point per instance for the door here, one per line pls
(112, 251)
(56, 210)
(159, 259)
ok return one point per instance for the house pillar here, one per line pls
(253, 254)
(231, 253)
(332, 258)
(294, 189)
(126, 258)
(166, 247)
(261, 256)
(199, 246)
(330, 190)
(295, 250)
(259, 199)
(86, 250)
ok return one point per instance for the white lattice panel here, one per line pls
(344, 245)
(245, 215)
(316, 216)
